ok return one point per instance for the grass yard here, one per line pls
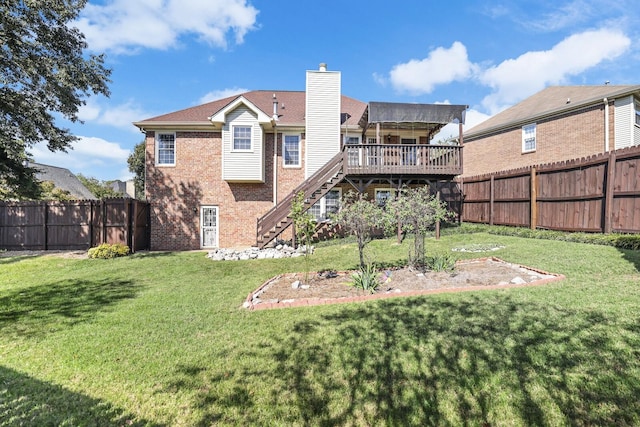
(159, 339)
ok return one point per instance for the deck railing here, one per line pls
(410, 159)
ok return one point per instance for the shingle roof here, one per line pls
(291, 108)
(63, 179)
(548, 102)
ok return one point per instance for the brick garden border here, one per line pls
(306, 302)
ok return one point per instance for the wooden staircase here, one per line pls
(278, 218)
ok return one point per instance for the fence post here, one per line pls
(491, 197)
(534, 199)
(128, 238)
(45, 220)
(103, 202)
(608, 195)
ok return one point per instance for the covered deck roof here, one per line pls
(428, 117)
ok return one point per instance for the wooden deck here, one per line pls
(397, 159)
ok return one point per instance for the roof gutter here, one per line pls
(606, 124)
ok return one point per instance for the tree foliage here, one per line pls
(360, 217)
(417, 211)
(44, 74)
(100, 189)
(305, 227)
(136, 162)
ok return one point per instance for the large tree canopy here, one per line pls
(44, 73)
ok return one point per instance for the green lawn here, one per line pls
(159, 339)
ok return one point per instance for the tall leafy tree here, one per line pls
(44, 74)
(137, 167)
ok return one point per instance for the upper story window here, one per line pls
(637, 108)
(242, 138)
(166, 149)
(291, 150)
(529, 138)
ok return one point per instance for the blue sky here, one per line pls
(166, 55)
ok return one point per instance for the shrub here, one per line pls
(441, 262)
(366, 279)
(107, 250)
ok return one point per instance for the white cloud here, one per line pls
(441, 66)
(220, 94)
(119, 116)
(90, 156)
(124, 26)
(515, 79)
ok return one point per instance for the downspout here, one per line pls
(606, 125)
(275, 150)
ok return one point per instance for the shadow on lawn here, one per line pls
(632, 256)
(425, 361)
(52, 306)
(25, 401)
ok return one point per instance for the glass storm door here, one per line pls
(209, 226)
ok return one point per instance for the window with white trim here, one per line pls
(637, 108)
(529, 138)
(291, 150)
(166, 149)
(328, 205)
(242, 138)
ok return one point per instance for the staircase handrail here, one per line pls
(271, 218)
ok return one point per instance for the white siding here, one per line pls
(322, 119)
(242, 166)
(636, 128)
(624, 119)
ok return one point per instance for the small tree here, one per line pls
(137, 166)
(304, 226)
(360, 217)
(417, 211)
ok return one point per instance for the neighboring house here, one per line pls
(223, 174)
(557, 123)
(63, 179)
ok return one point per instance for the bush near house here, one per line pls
(108, 250)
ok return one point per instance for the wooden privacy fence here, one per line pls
(600, 193)
(74, 225)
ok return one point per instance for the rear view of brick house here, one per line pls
(222, 174)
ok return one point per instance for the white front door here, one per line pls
(209, 226)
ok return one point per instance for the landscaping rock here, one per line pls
(278, 251)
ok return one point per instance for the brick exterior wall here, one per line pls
(568, 136)
(176, 193)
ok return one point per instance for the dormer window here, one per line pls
(242, 138)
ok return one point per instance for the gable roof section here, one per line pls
(548, 102)
(291, 110)
(63, 179)
(221, 115)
